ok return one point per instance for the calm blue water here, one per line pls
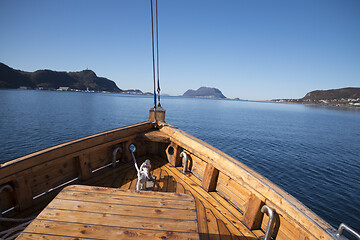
(311, 152)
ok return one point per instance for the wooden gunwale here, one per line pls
(72, 148)
(298, 219)
(259, 185)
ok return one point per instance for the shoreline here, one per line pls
(317, 103)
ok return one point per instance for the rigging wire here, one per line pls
(157, 54)
(153, 50)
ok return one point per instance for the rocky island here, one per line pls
(85, 80)
(204, 92)
(343, 97)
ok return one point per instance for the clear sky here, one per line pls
(251, 49)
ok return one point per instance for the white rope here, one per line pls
(143, 173)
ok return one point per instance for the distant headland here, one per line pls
(83, 81)
(204, 92)
(88, 81)
(343, 97)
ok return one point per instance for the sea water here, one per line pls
(311, 152)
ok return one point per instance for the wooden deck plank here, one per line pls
(129, 177)
(78, 230)
(32, 236)
(108, 213)
(163, 180)
(171, 184)
(133, 208)
(117, 192)
(232, 223)
(151, 223)
(117, 182)
(212, 225)
(125, 200)
(179, 187)
(157, 173)
(202, 223)
(221, 212)
(223, 231)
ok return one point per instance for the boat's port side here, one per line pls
(230, 197)
(245, 190)
(36, 178)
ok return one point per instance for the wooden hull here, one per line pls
(229, 194)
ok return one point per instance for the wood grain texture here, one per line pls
(78, 230)
(73, 147)
(23, 193)
(83, 163)
(219, 206)
(210, 178)
(83, 211)
(173, 158)
(236, 187)
(253, 216)
(302, 217)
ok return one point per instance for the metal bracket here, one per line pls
(2, 188)
(185, 156)
(270, 226)
(339, 233)
(117, 149)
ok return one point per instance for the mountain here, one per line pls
(349, 93)
(343, 97)
(86, 79)
(204, 92)
(10, 78)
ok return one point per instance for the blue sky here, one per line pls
(248, 49)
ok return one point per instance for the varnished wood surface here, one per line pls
(217, 218)
(112, 213)
(224, 189)
(300, 220)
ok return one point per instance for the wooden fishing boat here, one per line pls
(198, 192)
(147, 181)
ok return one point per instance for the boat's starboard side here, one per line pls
(247, 189)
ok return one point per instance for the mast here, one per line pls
(156, 113)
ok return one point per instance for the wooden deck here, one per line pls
(227, 193)
(217, 218)
(112, 213)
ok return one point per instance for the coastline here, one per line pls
(347, 104)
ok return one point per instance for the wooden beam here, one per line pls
(172, 152)
(154, 136)
(210, 178)
(84, 165)
(157, 114)
(23, 193)
(73, 147)
(253, 215)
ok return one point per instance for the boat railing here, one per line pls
(39, 176)
(245, 189)
(260, 205)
